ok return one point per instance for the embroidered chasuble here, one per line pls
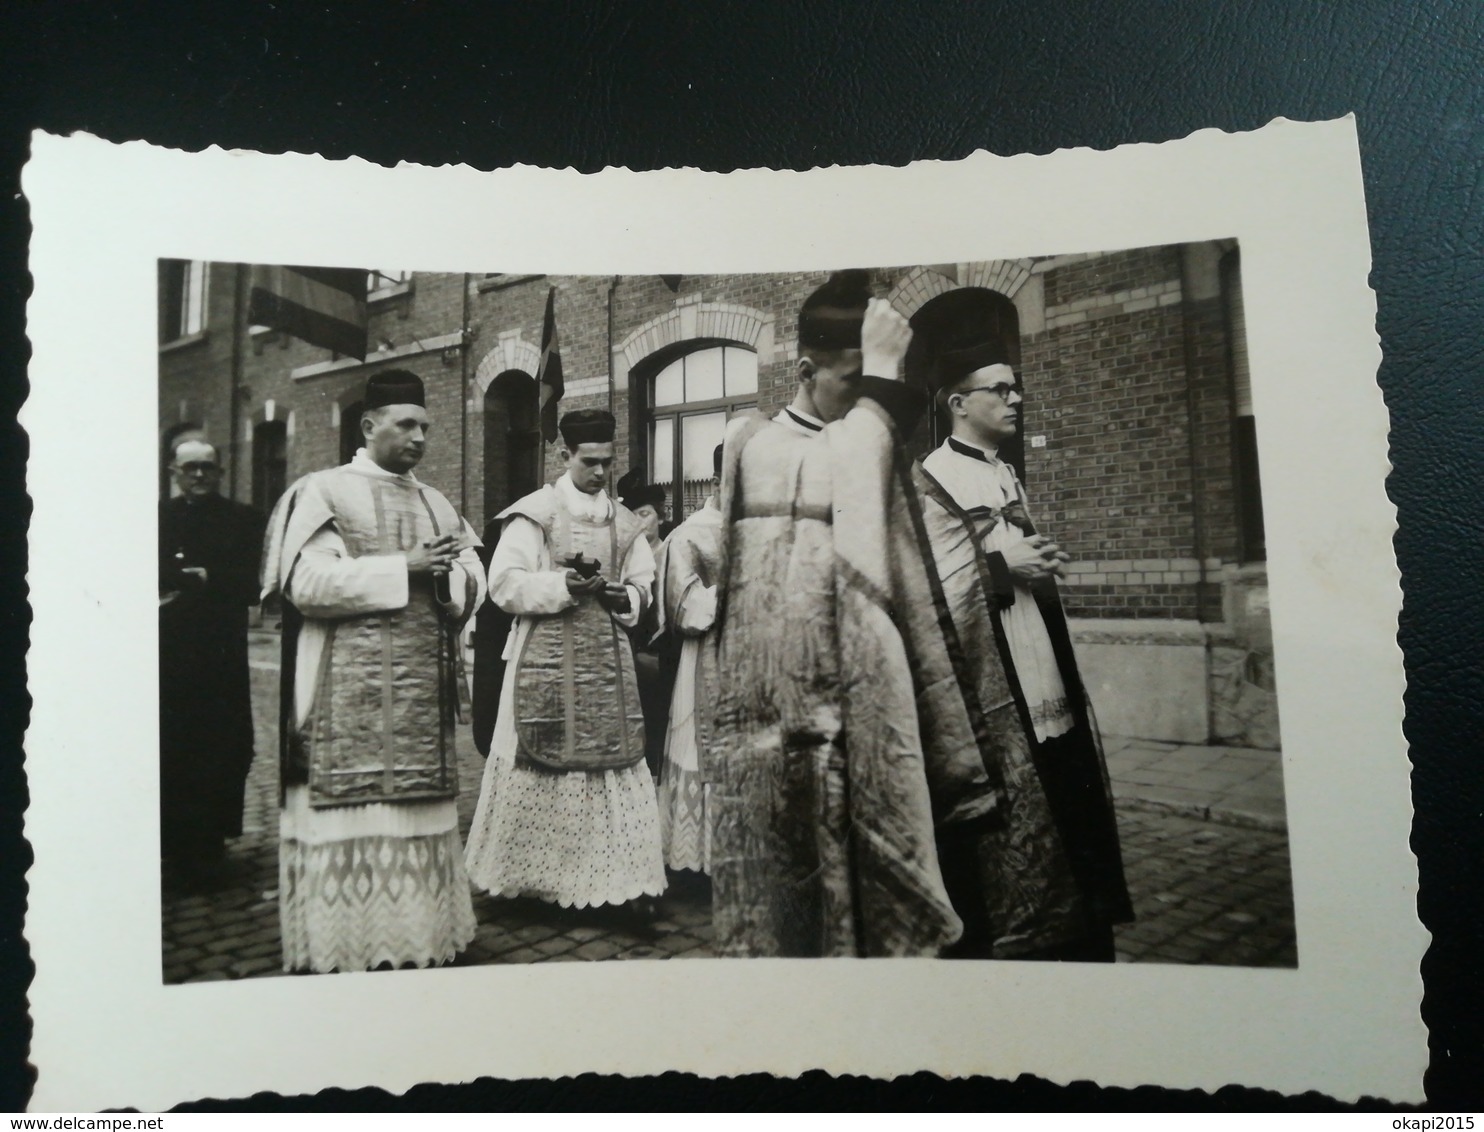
(1052, 868)
(370, 864)
(841, 733)
(566, 811)
(576, 696)
(381, 721)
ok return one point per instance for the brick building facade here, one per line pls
(1138, 446)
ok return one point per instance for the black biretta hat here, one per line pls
(987, 336)
(831, 318)
(955, 365)
(393, 387)
(586, 426)
(634, 493)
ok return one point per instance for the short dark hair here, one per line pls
(375, 412)
(961, 383)
(831, 317)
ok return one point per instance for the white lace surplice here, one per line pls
(577, 839)
(369, 884)
(689, 609)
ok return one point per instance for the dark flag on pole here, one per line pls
(549, 375)
(325, 306)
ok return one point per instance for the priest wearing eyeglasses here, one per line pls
(1046, 882)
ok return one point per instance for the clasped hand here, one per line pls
(1035, 558)
(612, 596)
(434, 556)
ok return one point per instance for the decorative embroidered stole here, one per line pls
(382, 722)
(576, 697)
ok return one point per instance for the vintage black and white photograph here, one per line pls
(911, 611)
(545, 614)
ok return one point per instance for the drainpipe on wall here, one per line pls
(1191, 291)
(239, 327)
(612, 287)
(464, 344)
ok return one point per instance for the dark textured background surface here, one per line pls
(722, 86)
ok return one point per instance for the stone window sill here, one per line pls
(182, 342)
(387, 294)
(500, 282)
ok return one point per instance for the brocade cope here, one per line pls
(837, 702)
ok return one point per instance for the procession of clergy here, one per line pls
(877, 743)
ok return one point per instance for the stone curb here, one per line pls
(1240, 819)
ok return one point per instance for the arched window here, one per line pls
(351, 440)
(691, 397)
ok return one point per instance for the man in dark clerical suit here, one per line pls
(209, 550)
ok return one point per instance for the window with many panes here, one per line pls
(183, 290)
(691, 399)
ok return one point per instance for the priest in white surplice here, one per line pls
(686, 597)
(567, 810)
(378, 571)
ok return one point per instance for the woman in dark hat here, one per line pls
(654, 664)
(645, 500)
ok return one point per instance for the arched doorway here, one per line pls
(512, 440)
(270, 463)
(952, 320)
(351, 439)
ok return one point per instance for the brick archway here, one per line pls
(511, 353)
(923, 284)
(730, 322)
(918, 287)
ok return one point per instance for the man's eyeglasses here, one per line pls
(1000, 390)
(201, 468)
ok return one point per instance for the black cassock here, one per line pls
(491, 630)
(206, 726)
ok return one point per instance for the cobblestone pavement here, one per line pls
(1205, 890)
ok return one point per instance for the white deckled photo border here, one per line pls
(108, 1033)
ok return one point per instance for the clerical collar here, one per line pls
(804, 420)
(973, 451)
(596, 505)
(362, 462)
